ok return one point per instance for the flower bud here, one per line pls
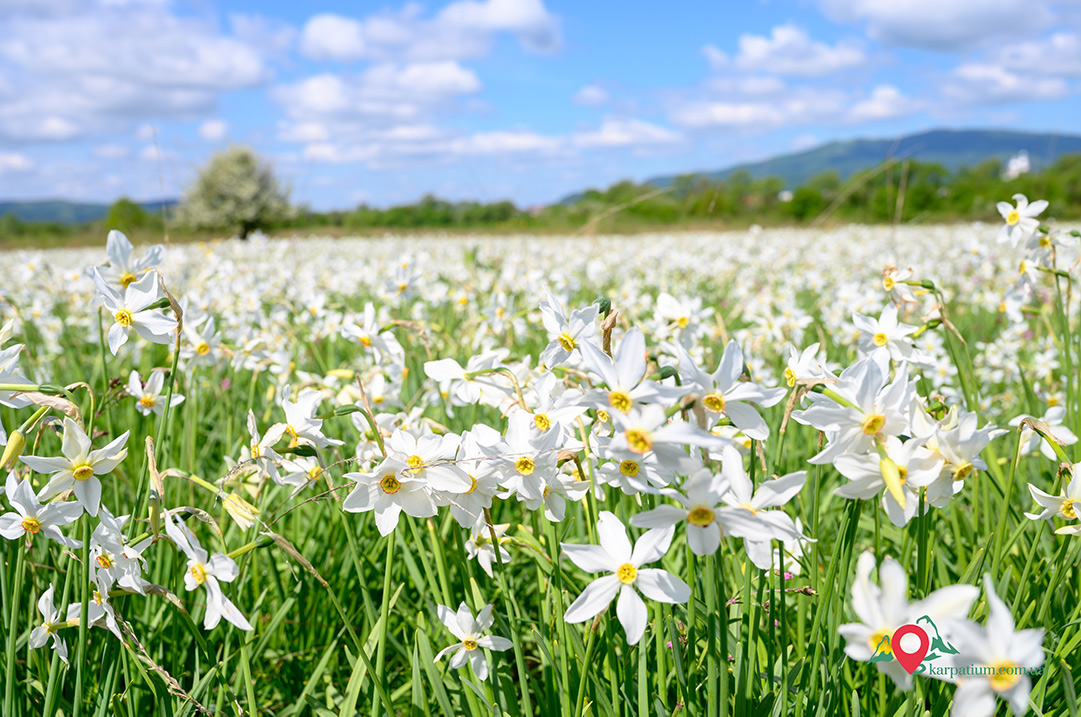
(892, 475)
(14, 448)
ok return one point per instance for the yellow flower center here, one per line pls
(1068, 509)
(880, 339)
(627, 573)
(365, 341)
(105, 561)
(567, 342)
(873, 424)
(147, 401)
(888, 283)
(82, 472)
(127, 279)
(542, 422)
(390, 484)
(682, 322)
(415, 463)
(619, 401)
(639, 441)
(203, 348)
(198, 572)
(525, 465)
(472, 487)
(469, 643)
(880, 642)
(790, 377)
(98, 598)
(963, 471)
(31, 525)
(1045, 241)
(315, 472)
(256, 451)
(1013, 217)
(123, 317)
(700, 516)
(1006, 674)
(628, 468)
(714, 402)
(602, 415)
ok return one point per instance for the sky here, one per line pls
(528, 100)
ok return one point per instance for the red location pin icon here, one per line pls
(909, 660)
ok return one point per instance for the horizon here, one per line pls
(503, 99)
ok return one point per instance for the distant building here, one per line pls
(1017, 166)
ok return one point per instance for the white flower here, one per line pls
(1064, 506)
(388, 491)
(1053, 418)
(565, 333)
(148, 396)
(1021, 220)
(480, 544)
(870, 475)
(614, 555)
(723, 394)
(888, 334)
(49, 627)
(31, 517)
(300, 420)
(206, 570)
(80, 466)
(882, 610)
(261, 448)
(123, 268)
(129, 311)
(471, 638)
(623, 374)
(999, 646)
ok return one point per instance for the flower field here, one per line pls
(698, 474)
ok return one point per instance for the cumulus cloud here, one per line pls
(591, 96)
(625, 133)
(789, 51)
(214, 130)
(885, 102)
(14, 162)
(977, 83)
(462, 29)
(1059, 54)
(97, 69)
(942, 25)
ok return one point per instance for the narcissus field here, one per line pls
(775, 472)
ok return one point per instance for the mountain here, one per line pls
(951, 148)
(64, 212)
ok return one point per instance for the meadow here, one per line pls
(332, 476)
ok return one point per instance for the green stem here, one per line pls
(384, 619)
(80, 653)
(13, 622)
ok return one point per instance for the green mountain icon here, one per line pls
(939, 646)
(883, 653)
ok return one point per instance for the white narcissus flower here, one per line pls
(430, 460)
(206, 570)
(148, 396)
(261, 448)
(723, 394)
(1053, 418)
(471, 638)
(565, 333)
(300, 421)
(124, 269)
(391, 489)
(803, 365)
(881, 610)
(1063, 506)
(51, 622)
(31, 517)
(481, 547)
(889, 334)
(1021, 220)
(869, 476)
(129, 311)
(78, 469)
(1003, 654)
(623, 375)
(615, 555)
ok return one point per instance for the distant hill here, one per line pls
(951, 148)
(64, 212)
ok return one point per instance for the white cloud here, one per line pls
(214, 130)
(591, 96)
(1059, 54)
(717, 59)
(942, 25)
(111, 151)
(462, 29)
(625, 133)
(789, 51)
(804, 141)
(14, 162)
(978, 83)
(885, 102)
(98, 69)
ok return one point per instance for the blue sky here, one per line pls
(526, 100)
